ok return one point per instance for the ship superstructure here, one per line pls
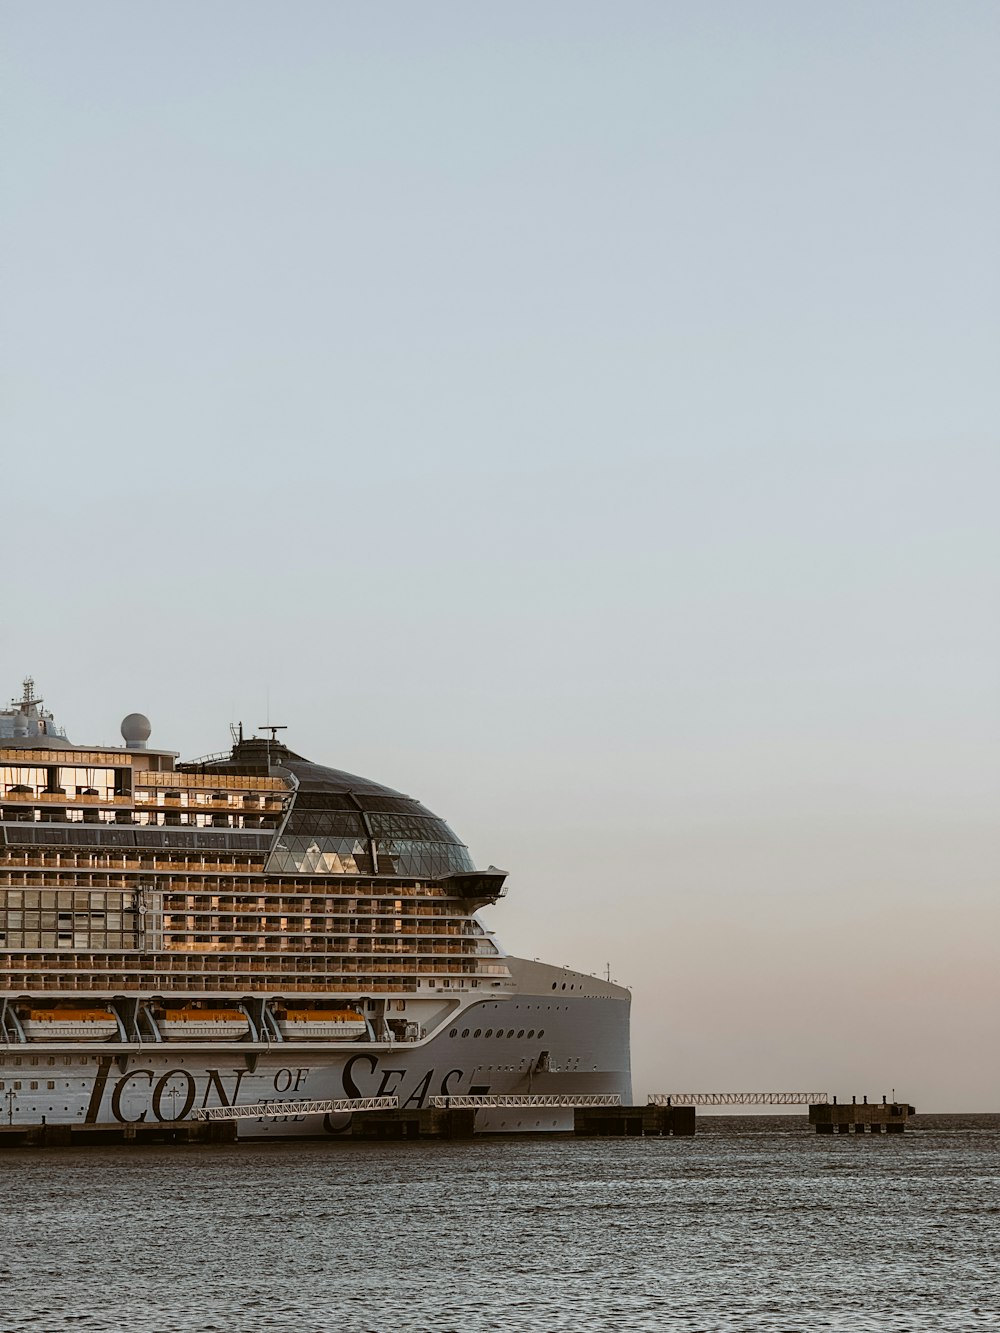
(176, 935)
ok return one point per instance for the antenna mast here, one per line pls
(273, 738)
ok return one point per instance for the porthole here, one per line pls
(564, 985)
(520, 1034)
(478, 1032)
(488, 1032)
(531, 1033)
(453, 1032)
(465, 1032)
(555, 984)
(541, 1032)
(510, 1032)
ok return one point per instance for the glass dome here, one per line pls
(343, 824)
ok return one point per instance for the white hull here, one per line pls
(559, 1043)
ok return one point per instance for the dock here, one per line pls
(381, 1119)
(138, 1134)
(856, 1118)
(634, 1122)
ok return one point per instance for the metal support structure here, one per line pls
(151, 1023)
(15, 1023)
(738, 1098)
(280, 1110)
(499, 1102)
(270, 1029)
(123, 1036)
(254, 1035)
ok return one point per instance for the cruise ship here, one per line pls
(252, 928)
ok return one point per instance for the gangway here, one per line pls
(281, 1110)
(738, 1098)
(500, 1102)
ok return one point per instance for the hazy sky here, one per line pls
(581, 416)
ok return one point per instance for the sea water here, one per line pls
(755, 1224)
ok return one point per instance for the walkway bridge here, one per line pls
(281, 1110)
(738, 1098)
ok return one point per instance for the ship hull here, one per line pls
(541, 1040)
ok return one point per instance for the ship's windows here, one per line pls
(488, 1032)
(453, 1032)
(554, 984)
(50, 1085)
(531, 1033)
(564, 985)
(541, 1032)
(510, 1032)
(520, 1034)
(478, 1032)
(33, 1085)
(465, 1032)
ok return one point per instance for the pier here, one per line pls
(139, 1134)
(382, 1119)
(890, 1117)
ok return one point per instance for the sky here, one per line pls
(582, 417)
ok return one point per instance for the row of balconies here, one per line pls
(153, 867)
(44, 797)
(188, 967)
(153, 983)
(257, 929)
(69, 863)
(14, 979)
(145, 781)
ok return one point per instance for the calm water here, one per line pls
(756, 1224)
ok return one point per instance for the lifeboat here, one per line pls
(69, 1024)
(190, 1024)
(321, 1025)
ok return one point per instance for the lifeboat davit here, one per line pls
(322, 1025)
(202, 1024)
(69, 1024)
